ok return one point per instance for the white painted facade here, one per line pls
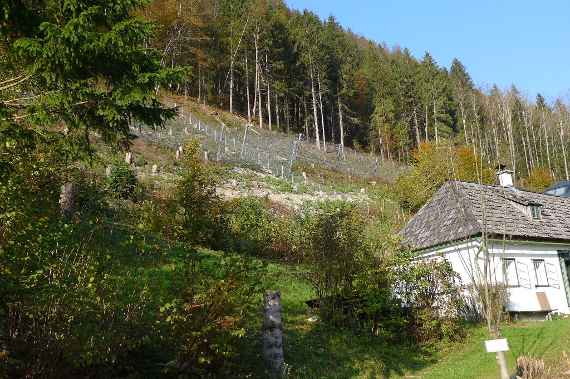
(535, 270)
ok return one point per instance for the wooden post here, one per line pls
(272, 334)
(129, 158)
(502, 362)
(67, 199)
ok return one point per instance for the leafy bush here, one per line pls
(122, 182)
(335, 254)
(539, 179)
(250, 225)
(432, 166)
(199, 213)
(431, 292)
(77, 301)
(210, 317)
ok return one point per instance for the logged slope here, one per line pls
(224, 138)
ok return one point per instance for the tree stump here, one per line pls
(67, 199)
(272, 333)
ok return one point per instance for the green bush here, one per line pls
(209, 318)
(431, 293)
(122, 182)
(335, 253)
(249, 225)
(199, 207)
(77, 300)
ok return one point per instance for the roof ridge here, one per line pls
(512, 190)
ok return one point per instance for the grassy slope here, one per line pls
(313, 351)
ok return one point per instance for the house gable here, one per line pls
(443, 219)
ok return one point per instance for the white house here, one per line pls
(527, 235)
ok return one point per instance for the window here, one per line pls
(540, 272)
(535, 211)
(511, 273)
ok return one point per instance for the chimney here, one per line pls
(505, 177)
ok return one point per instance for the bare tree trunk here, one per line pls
(526, 156)
(340, 124)
(277, 112)
(534, 143)
(273, 334)
(305, 118)
(563, 150)
(231, 83)
(322, 111)
(199, 84)
(426, 122)
(287, 115)
(67, 199)
(417, 127)
(268, 92)
(315, 119)
(435, 122)
(258, 79)
(463, 120)
(247, 89)
(509, 121)
(547, 143)
(530, 153)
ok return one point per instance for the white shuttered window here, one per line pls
(540, 272)
(511, 273)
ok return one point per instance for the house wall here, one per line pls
(522, 298)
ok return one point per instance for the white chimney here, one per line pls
(505, 178)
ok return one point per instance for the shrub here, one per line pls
(249, 224)
(210, 317)
(432, 166)
(122, 182)
(334, 254)
(199, 214)
(539, 179)
(431, 293)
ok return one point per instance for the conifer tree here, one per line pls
(81, 66)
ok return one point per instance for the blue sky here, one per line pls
(524, 42)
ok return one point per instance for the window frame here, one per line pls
(505, 272)
(537, 284)
(536, 212)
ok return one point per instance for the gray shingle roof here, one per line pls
(459, 210)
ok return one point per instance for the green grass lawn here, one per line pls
(314, 351)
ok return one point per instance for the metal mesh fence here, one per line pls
(273, 152)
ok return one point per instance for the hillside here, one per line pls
(289, 70)
(282, 167)
(215, 189)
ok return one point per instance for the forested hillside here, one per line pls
(215, 189)
(283, 69)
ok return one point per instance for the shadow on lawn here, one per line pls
(322, 352)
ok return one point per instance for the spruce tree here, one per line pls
(80, 66)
